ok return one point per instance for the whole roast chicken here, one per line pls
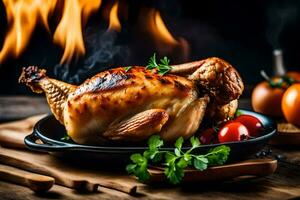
(131, 105)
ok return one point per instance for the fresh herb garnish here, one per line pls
(140, 162)
(162, 68)
(127, 68)
(175, 162)
(65, 138)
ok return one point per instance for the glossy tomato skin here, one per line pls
(291, 104)
(267, 100)
(233, 131)
(253, 124)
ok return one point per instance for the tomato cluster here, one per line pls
(241, 128)
(279, 97)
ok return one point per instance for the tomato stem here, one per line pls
(283, 81)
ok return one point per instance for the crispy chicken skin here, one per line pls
(132, 105)
(215, 76)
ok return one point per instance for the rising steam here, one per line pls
(103, 50)
(279, 16)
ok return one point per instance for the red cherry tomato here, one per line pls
(207, 136)
(233, 131)
(253, 124)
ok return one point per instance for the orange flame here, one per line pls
(114, 23)
(68, 33)
(151, 21)
(23, 16)
(161, 30)
(155, 27)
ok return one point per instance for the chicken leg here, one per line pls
(217, 77)
(56, 91)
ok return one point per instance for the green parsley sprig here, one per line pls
(127, 68)
(163, 67)
(175, 161)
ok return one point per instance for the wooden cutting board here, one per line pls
(90, 177)
(74, 176)
(245, 169)
(287, 134)
(12, 134)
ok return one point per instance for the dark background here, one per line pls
(242, 32)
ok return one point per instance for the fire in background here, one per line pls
(72, 16)
(107, 33)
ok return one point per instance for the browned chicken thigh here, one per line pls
(132, 105)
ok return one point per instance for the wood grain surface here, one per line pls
(287, 134)
(78, 176)
(240, 170)
(36, 182)
(19, 107)
(283, 184)
(12, 134)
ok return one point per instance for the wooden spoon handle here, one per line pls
(36, 182)
(12, 134)
(12, 138)
(255, 167)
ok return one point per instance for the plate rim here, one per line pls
(60, 145)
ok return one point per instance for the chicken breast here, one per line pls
(114, 95)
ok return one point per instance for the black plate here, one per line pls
(50, 132)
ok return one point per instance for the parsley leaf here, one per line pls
(177, 152)
(175, 162)
(154, 144)
(194, 142)
(162, 68)
(174, 173)
(183, 163)
(218, 155)
(131, 168)
(178, 143)
(139, 168)
(200, 163)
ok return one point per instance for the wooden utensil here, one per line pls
(12, 134)
(36, 182)
(89, 179)
(287, 134)
(72, 176)
(255, 167)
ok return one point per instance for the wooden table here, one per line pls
(284, 184)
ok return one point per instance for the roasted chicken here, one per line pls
(131, 105)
